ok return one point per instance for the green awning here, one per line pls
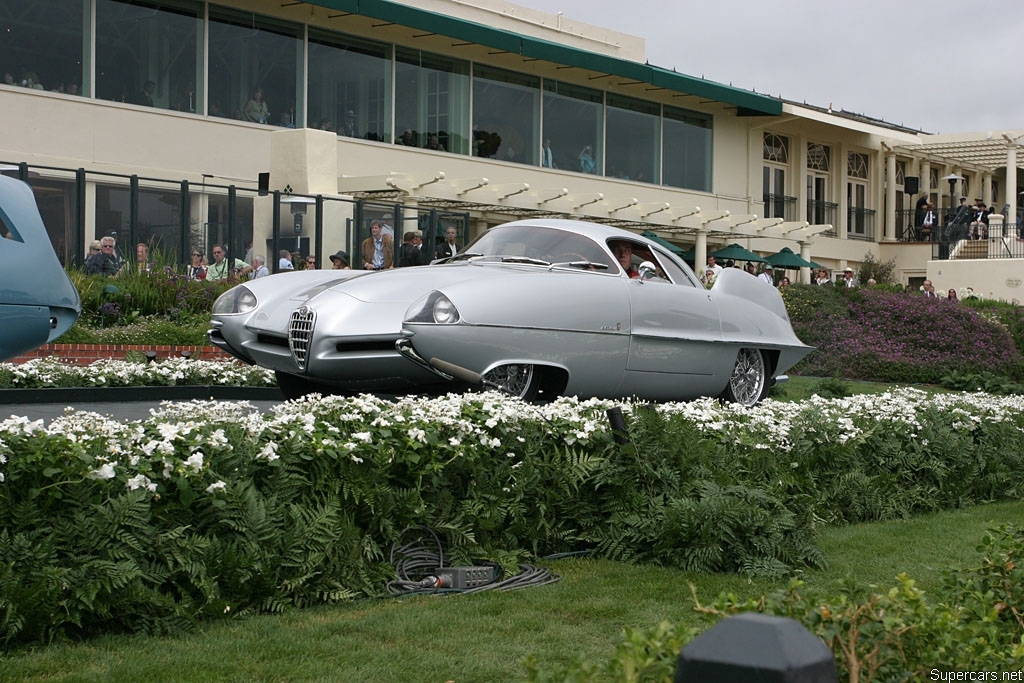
(745, 101)
(665, 243)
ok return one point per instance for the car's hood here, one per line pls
(403, 284)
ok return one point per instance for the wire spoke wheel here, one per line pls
(749, 376)
(518, 380)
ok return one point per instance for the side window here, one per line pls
(7, 230)
(675, 273)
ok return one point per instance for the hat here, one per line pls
(848, 269)
(340, 256)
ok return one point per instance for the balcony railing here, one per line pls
(780, 206)
(860, 224)
(822, 213)
(955, 242)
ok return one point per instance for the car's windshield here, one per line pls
(542, 245)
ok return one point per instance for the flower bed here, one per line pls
(206, 509)
(53, 371)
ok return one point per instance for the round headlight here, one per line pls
(445, 311)
(246, 300)
(236, 300)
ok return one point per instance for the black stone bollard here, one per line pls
(753, 647)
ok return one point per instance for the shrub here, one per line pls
(880, 271)
(207, 509)
(895, 337)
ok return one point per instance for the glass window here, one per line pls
(776, 148)
(857, 165)
(159, 225)
(349, 86)
(633, 141)
(506, 115)
(42, 43)
(254, 64)
(687, 150)
(572, 127)
(819, 157)
(146, 52)
(431, 101)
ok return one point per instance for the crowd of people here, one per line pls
(377, 253)
(29, 79)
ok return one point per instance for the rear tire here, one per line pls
(748, 383)
(519, 380)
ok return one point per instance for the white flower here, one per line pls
(104, 472)
(195, 461)
(269, 452)
(141, 481)
(356, 459)
(363, 436)
(216, 486)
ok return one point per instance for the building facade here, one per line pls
(184, 123)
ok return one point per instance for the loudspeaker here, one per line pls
(264, 184)
(911, 184)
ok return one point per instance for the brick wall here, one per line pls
(84, 354)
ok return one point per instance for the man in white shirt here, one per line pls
(259, 268)
(714, 266)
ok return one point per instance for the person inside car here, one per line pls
(624, 255)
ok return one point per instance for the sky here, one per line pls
(941, 66)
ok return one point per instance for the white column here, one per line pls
(841, 159)
(1011, 185)
(926, 177)
(805, 254)
(890, 197)
(986, 190)
(700, 251)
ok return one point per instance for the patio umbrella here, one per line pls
(736, 253)
(665, 243)
(787, 259)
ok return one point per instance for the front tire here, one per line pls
(519, 380)
(748, 383)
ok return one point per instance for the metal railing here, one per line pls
(860, 224)
(955, 242)
(822, 213)
(780, 206)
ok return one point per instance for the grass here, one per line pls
(487, 636)
(800, 387)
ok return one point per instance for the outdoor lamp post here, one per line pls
(952, 178)
(298, 206)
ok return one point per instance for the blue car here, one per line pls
(38, 302)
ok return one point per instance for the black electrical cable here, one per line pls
(415, 564)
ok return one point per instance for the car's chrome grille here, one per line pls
(300, 334)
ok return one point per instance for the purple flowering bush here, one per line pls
(896, 336)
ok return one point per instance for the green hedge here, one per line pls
(207, 510)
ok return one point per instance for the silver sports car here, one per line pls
(537, 308)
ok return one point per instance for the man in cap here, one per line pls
(339, 260)
(348, 125)
(848, 280)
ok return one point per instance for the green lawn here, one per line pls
(798, 387)
(485, 637)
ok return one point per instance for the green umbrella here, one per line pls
(665, 243)
(787, 259)
(736, 253)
